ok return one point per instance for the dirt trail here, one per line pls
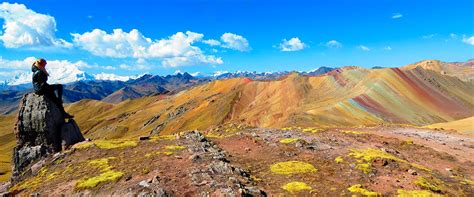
(459, 145)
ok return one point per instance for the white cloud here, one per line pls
(26, 28)
(387, 48)
(364, 48)
(176, 50)
(293, 44)
(429, 36)
(234, 41)
(469, 40)
(397, 15)
(333, 44)
(212, 42)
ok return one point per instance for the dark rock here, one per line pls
(71, 134)
(40, 131)
(144, 138)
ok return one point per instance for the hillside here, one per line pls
(377, 101)
(465, 125)
(347, 97)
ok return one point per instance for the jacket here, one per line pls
(39, 80)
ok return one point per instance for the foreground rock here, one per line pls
(40, 131)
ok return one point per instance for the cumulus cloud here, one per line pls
(212, 42)
(234, 41)
(364, 48)
(293, 44)
(176, 50)
(397, 15)
(25, 28)
(333, 44)
(469, 40)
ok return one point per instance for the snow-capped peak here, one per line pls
(114, 77)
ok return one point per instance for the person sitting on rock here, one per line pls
(41, 87)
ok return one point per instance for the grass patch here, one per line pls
(359, 189)
(354, 132)
(107, 144)
(364, 167)
(289, 140)
(424, 183)
(370, 155)
(339, 159)
(416, 193)
(312, 130)
(292, 167)
(174, 148)
(296, 186)
(107, 174)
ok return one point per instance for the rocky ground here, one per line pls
(234, 160)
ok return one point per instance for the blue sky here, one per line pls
(318, 33)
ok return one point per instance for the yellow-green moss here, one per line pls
(292, 167)
(164, 137)
(369, 155)
(339, 159)
(111, 144)
(30, 183)
(148, 155)
(408, 142)
(107, 144)
(359, 189)
(424, 183)
(174, 147)
(83, 145)
(108, 176)
(167, 153)
(312, 130)
(364, 167)
(354, 132)
(416, 193)
(289, 140)
(296, 187)
(467, 181)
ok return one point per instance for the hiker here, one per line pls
(40, 77)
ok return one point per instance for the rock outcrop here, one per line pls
(40, 131)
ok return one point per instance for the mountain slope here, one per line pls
(345, 97)
(465, 125)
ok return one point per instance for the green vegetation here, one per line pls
(107, 144)
(174, 147)
(312, 130)
(339, 159)
(292, 167)
(416, 193)
(424, 183)
(353, 132)
(107, 175)
(370, 155)
(289, 140)
(359, 189)
(364, 167)
(296, 187)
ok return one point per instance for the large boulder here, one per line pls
(40, 131)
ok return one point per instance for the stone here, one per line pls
(412, 172)
(35, 168)
(40, 131)
(70, 134)
(144, 184)
(144, 138)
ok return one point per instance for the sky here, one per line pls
(206, 36)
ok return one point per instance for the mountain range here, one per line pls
(348, 96)
(114, 89)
